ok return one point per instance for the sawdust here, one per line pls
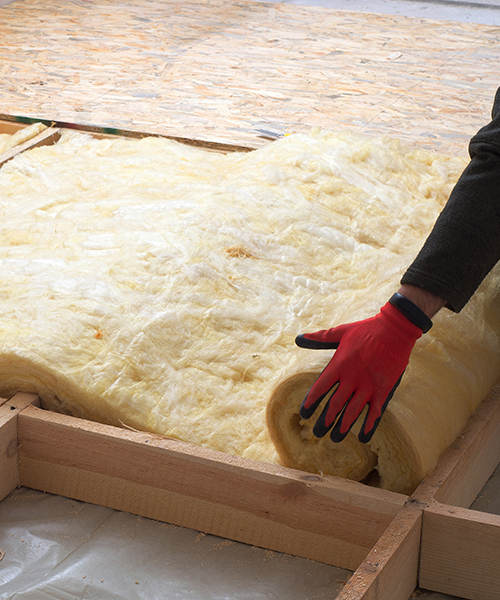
(222, 545)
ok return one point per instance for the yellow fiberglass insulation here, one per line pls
(160, 286)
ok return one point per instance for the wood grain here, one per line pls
(326, 519)
(9, 457)
(460, 553)
(47, 137)
(390, 570)
(230, 74)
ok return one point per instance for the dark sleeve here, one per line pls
(464, 244)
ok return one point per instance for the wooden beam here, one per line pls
(323, 518)
(46, 137)
(327, 519)
(9, 458)
(10, 127)
(460, 553)
(101, 132)
(390, 570)
(467, 464)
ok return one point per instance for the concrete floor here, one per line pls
(108, 553)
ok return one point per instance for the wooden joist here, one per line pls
(460, 552)
(218, 73)
(392, 541)
(46, 137)
(327, 519)
(9, 444)
(390, 571)
(462, 471)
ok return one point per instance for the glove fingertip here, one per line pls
(307, 411)
(304, 342)
(336, 436)
(300, 341)
(320, 428)
(365, 436)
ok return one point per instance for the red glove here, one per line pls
(371, 358)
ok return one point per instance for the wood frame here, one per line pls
(46, 137)
(424, 544)
(10, 124)
(391, 541)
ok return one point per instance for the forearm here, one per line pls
(428, 302)
(464, 244)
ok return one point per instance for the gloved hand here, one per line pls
(371, 358)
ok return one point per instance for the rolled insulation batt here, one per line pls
(155, 285)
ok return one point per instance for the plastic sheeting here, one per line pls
(61, 549)
(55, 548)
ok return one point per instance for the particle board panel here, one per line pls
(323, 518)
(231, 72)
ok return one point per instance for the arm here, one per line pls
(428, 302)
(371, 355)
(464, 243)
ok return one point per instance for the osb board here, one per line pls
(222, 71)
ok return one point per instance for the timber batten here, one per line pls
(391, 541)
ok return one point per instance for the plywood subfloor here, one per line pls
(224, 71)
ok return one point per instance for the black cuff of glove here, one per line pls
(411, 311)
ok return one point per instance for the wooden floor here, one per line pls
(223, 71)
